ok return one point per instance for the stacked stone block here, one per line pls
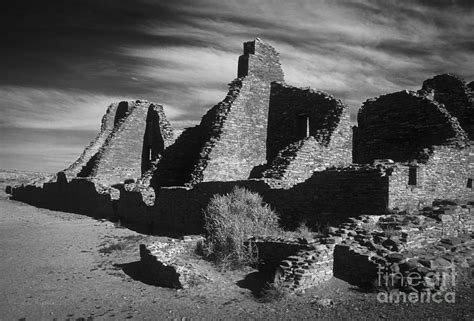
(403, 127)
(456, 96)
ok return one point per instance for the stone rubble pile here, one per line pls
(418, 252)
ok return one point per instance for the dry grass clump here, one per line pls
(230, 220)
(272, 293)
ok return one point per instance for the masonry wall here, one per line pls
(260, 60)
(158, 136)
(230, 140)
(185, 160)
(403, 126)
(332, 196)
(120, 157)
(241, 145)
(444, 176)
(297, 162)
(80, 165)
(327, 197)
(289, 105)
(80, 195)
(456, 96)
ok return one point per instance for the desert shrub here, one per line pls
(230, 220)
(304, 231)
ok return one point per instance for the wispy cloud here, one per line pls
(65, 63)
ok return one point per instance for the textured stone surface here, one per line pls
(326, 116)
(403, 126)
(260, 60)
(456, 96)
(443, 176)
(121, 150)
(120, 157)
(231, 138)
(168, 264)
(258, 138)
(367, 251)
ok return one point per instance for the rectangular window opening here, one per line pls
(469, 183)
(302, 124)
(412, 171)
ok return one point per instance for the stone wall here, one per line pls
(297, 162)
(293, 109)
(260, 60)
(456, 96)
(444, 176)
(158, 136)
(241, 146)
(80, 165)
(403, 126)
(79, 195)
(296, 264)
(230, 140)
(329, 196)
(120, 157)
(121, 150)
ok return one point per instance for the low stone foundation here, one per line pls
(380, 252)
(168, 264)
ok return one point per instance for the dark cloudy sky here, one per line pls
(63, 62)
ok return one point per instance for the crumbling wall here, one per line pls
(328, 196)
(260, 60)
(241, 145)
(403, 126)
(157, 137)
(331, 196)
(79, 195)
(230, 140)
(120, 157)
(455, 95)
(121, 150)
(444, 176)
(330, 146)
(81, 164)
(296, 113)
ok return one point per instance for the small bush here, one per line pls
(304, 231)
(230, 220)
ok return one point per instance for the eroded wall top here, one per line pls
(297, 113)
(261, 60)
(403, 126)
(456, 96)
(133, 134)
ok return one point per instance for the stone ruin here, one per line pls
(294, 146)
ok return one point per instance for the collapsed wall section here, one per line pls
(456, 96)
(403, 126)
(80, 166)
(307, 131)
(181, 162)
(241, 144)
(120, 157)
(230, 140)
(260, 60)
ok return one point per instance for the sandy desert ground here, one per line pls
(63, 266)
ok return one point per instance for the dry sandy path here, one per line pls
(51, 268)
